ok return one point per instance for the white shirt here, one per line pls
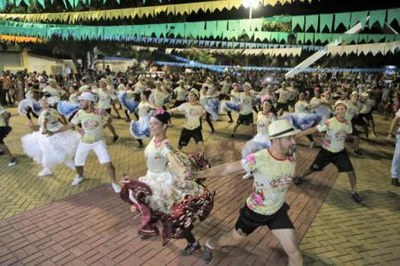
(246, 104)
(301, 107)
(193, 113)
(336, 133)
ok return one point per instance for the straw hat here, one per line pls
(195, 92)
(281, 128)
(88, 96)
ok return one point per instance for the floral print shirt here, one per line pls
(269, 187)
(92, 124)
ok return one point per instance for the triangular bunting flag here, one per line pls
(377, 16)
(342, 18)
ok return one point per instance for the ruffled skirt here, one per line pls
(212, 107)
(160, 198)
(50, 151)
(302, 120)
(26, 104)
(127, 102)
(140, 129)
(257, 143)
(67, 108)
(230, 106)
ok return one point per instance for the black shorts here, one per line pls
(367, 116)
(354, 132)
(187, 134)
(358, 121)
(340, 159)
(4, 131)
(249, 220)
(245, 119)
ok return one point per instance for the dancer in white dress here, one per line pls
(166, 193)
(140, 129)
(30, 105)
(69, 108)
(210, 104)
(233, 105)
(50, 151)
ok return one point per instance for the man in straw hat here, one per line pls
(93, 121)
(273, 170)
(333, 149)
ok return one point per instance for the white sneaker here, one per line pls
(45, 172)
(77, 180)
(116, 187)
(12, 162)
(373, 135)
(247, 176)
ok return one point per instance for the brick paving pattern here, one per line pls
(46, 221)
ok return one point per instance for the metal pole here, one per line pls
(250, 15)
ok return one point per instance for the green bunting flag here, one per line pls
(298, 21)
(41, 2)
(312, 21)
(393, 14)
(377, 16)
(326, 20)
(342, 18)
(357, 17)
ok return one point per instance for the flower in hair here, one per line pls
(160, 111)
(264, 98)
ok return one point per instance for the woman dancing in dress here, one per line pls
(50, 151)
(140, 129)
(166, 193)
(30, 106)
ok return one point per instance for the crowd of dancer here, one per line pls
(173, 192)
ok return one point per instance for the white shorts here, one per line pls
(99, 147)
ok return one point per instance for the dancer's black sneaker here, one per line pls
(116, 139)
(298, 180)
(357, 198)
(190, 248)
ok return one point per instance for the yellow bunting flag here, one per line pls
(21, 39)
(177, 9)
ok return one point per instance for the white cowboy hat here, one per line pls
(281, 128)
(88, 96)
(195, 92)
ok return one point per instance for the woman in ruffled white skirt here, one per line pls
(53, 150)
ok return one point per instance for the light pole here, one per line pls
(250, 4)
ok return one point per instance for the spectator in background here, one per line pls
(5, 129)
(6, 83)
(395, 169)
(68, 73)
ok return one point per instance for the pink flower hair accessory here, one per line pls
(264, 98)
(160, 111)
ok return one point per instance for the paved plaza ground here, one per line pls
(46, 221)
